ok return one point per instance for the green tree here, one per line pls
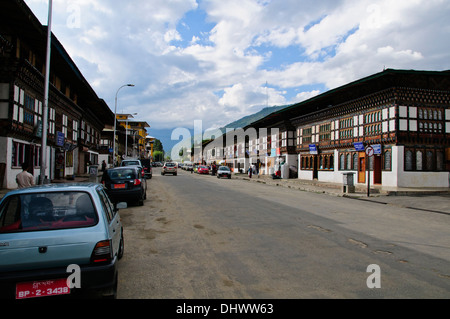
(158, 156)
(157, 146)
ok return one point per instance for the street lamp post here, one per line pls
(115, 123)
(44, 163)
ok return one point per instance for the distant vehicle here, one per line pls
(169, 168)
(133, 162)
(146, 164)
(125, 184)
(202, 169)
(224, 171)
(44, 229)
(128, 162)
(189, 167)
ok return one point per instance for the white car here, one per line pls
(224, 171)
(169, 168)
(131, 162)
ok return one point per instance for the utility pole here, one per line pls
(44, 160)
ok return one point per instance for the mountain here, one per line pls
(164, 135)
(246, 120)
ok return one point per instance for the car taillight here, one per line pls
(102, 252)
(137, 182)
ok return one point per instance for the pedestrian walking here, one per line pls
(250, 172)
(25, 179)
(103, 166)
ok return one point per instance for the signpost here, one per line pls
(369, 152)
(376, 149)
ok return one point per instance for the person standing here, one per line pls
(25, 179)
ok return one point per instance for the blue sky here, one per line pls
(217, 61)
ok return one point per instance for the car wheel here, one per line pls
(175, 174)
(229, 177)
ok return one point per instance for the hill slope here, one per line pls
(254, 117)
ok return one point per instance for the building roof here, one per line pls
(389, 78)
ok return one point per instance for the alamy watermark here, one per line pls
(374, 280)
(74, 279)
(230, 141)
(74, 15)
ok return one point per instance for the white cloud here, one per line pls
(220, 75)
(303, 96)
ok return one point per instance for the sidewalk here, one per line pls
(435, 200)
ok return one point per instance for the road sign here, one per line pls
(376, 149)
(369, 151)
(359, 146)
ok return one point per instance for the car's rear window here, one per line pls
(120, 174)
(170, 164)
(128, 163)
(47, 211)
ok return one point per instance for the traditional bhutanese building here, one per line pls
(390, 129)
(76, 115)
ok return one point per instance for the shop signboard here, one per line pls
(359, 146)
(313, 149)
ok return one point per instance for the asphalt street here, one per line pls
(201, 237)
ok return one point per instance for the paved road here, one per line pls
(200, 237)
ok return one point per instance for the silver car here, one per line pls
(169, 168)
(52, 233)
(224, 171)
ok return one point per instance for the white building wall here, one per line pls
(399, 178)
(9, 181)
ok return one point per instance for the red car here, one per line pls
(203, 170)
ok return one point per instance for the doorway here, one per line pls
(377, 169)
(315, 160)
(361, 167)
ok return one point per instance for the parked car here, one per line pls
(147, 165)
(128, 162)
(202, 169)
(125, 184)
(169, 168)
(224, 171)
(133, 162)
(45, 229)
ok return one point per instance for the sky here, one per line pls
(217, 61)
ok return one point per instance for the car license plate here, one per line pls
(44, 288)
(119, 186)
